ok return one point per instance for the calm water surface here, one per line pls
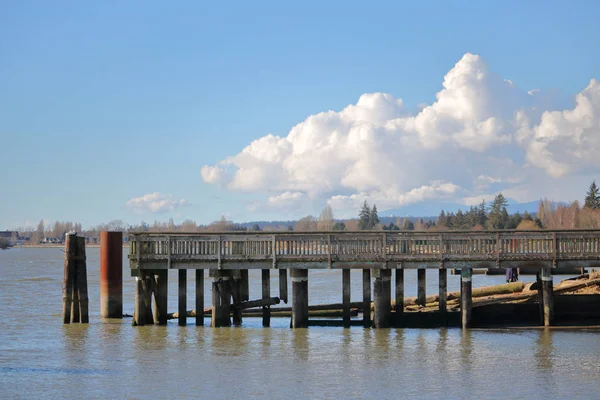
(42, 358)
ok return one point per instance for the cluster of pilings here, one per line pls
(230, 296)
(75, 293)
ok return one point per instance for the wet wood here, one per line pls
(266, 293)
(221, 298)
(366, 303)
(69, 270)
(346, 296)
(443, 288)
(182, 301)
(244, 285)
(299, 298)
(236, 289)
(162, 296)
(200, 296)
(421, 286)
(548, 296)
(466, 301)
(381, 298)
(283, 285)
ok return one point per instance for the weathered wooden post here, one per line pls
(245, 285)
(236, 290)
(382, 298)
(82, 289)
(299, 298)
(346, 297)
(548, 296)
(283, 286)
(443, 287)
(69, 275)
(161, 296)
(399, 278)
(199, 297)
(266, 294)
(367, 298)
(221, 298)
(182, 320)
(421, 286)
(111, 274)
(466, 301)
(139, 312)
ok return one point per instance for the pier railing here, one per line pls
(347, 249)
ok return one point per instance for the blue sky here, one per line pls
(105, 102)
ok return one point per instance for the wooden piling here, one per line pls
(75, 289)
(148, 288)
(466, 301)
(200, 296)
(182, 303)
(69, 270)
(346, 296)
(382, 298)
(266, 293)
(399, 306)
(548, 296)
(161, 295)
(139, 312)
(421, 286)
(244, 285)
(299, 298)
(236, 290)
(540, 295)
(221, 298)
(366, 298)
(82, 286)
(111, 274)
(283, 285)
(443, 287)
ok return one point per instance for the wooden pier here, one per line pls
(228, 257)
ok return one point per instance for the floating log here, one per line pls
(242, 306)
(276, 313)
(562, 288)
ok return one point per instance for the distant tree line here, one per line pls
(549, 215)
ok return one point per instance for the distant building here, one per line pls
(9, 235)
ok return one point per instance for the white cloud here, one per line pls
(155, 203)
(481, 130)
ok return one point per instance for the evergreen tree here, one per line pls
(364, 217)
(527, 216)
(442, 220)
(592, 198)
(498, 216)
(338, 226)
(482, 213)
(373, 218)
(408, 225)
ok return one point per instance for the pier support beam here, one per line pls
(161, 282)
(199, 297)
(221, 298)
(299, 298)
(346, 297)
(466, 301)
(382, 297)
(399, 281)
(236, 294)
(266, 294)
(421, 286)
(182, 297)
(111, 274)
(548, 296)
(367, 298)
(283, 286)
(244, 285)
(443, 280)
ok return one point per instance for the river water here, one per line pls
(42, 358)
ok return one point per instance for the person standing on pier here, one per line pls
(512, 275)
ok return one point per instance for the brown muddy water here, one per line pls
(42, 358)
